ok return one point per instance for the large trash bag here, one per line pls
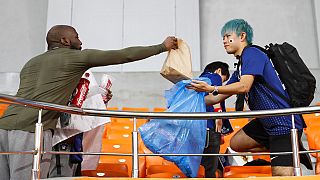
(173, 136)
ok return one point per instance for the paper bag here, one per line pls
(177, 65)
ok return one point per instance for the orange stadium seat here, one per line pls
(138, 109)
(122, 127)
(317, 156)
(3, 108)
(121, 146)
(170, 171)
(107, 170)
(311, 120)
(158, 167)
(237, 124)
(264, 157)
(129, 121)
(246, 171)
(230, 109)
(112, 108)
(120, 135)
(159, 109)
(312, 132)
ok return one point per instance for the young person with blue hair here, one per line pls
(263, 133)
(218, 73)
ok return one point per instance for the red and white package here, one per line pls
(106, 83)
(81, 91)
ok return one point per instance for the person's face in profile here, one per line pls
(75, 42)
(223, 77)
(231, 42)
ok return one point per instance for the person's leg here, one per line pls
(282, 171)
(282, 165)
(21, 165)
(61, 165)
(210, 163)
(46, 158)
(4, 164)
(251, 138)
(317, 170)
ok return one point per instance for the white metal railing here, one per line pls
(159, 115)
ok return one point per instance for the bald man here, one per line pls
(52, 77)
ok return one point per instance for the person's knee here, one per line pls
(282, 171)
(234, 144)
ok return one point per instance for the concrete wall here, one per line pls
(24, 28)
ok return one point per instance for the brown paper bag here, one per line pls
(177, 65)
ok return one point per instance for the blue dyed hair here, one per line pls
(238, 26)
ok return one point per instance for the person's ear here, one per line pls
(243, 36)
(65, 41)
(218, 71)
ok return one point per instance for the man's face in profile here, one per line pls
(75, 42)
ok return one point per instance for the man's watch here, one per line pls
(215, 91)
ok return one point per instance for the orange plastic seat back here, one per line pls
(113, 108)
(158, 167)
(246, 171)
(159, 109)
(107, 170)
(118, 146)
(237, 124)
(311, 133)
(3, 108)
(170, 171)
(138, 109)
(312, 119)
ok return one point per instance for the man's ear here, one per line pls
(65, 41)
(243, 36)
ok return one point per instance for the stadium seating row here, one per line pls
(118, 139)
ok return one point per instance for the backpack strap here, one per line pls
(239, 105)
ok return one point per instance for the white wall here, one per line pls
(273, 21)
(123, 23)
(24, 26)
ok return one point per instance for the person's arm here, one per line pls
(102, 58)
(243, 86)
(211, 99)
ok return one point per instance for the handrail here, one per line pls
(157, 115)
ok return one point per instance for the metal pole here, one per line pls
(38, 148)
(295, 149)
(135, 157)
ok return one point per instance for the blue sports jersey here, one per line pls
(217, 81)
(257, 63)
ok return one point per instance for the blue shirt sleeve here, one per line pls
(234, 78)
(214, 78)
(253, 62)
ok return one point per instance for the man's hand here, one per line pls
(171, 42)
(200, 86)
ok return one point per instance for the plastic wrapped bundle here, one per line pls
(175, 136)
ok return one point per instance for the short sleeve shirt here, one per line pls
(256, 63)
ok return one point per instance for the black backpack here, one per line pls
(293, 73)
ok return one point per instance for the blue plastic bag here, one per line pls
(173, 136)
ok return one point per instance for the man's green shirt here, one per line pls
(53, 75)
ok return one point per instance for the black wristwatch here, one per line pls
(215, 91)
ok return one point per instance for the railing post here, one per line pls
(135, 157)
(38, 148)
(295, 149)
